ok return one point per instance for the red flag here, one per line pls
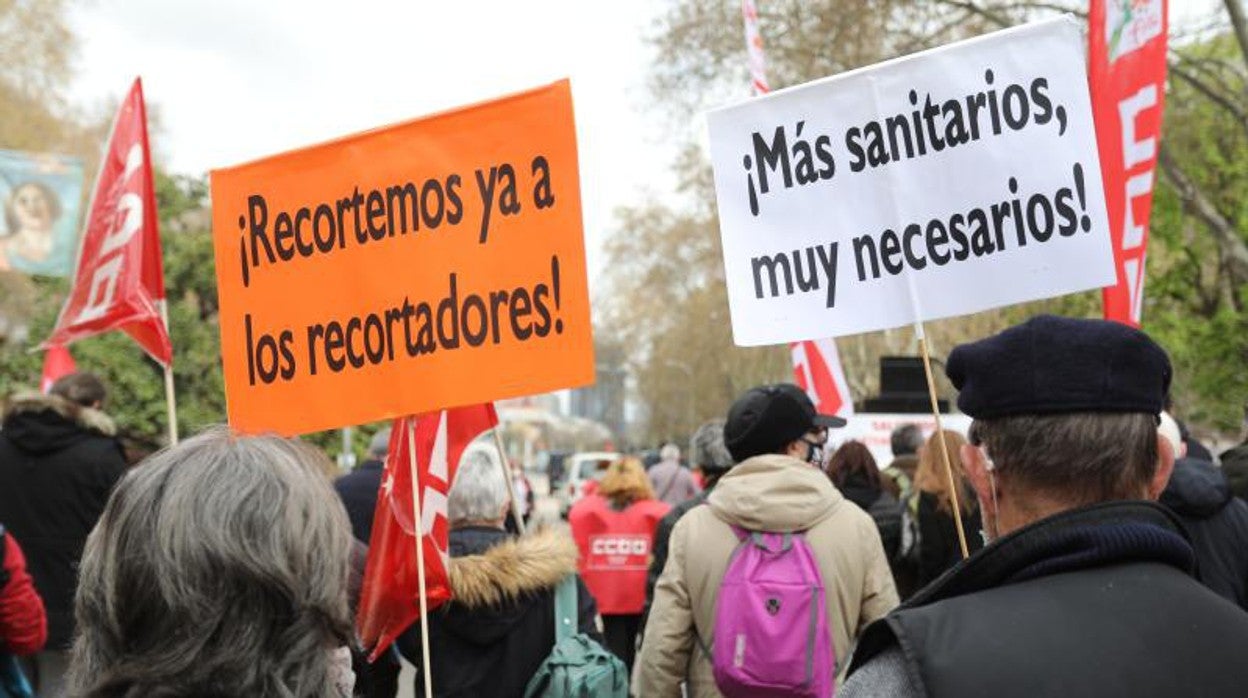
(817, 370)
(390, 596)
(119, 282)
(1127, 79)
(57, 362)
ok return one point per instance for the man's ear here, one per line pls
(796, 449)
(977, 471)
(1165, 466)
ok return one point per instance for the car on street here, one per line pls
(583, 471)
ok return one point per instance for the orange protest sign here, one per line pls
(434, 263)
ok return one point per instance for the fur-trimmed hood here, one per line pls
(512, 569)
(42, 423)
(500, 582)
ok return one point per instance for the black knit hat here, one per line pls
(768, 417)
(1054, 365)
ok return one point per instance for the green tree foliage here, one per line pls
(1197, 293)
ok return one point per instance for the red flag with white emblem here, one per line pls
(817, 370)
(390, 596)
(1127, 82)
(119, 282)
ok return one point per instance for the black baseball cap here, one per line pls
(768, 417)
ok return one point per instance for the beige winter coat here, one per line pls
(765, 493)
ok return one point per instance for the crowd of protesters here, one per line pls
(1108, 554)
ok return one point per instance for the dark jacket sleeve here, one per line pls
(587, 612)
(933, 540)
(23, 623)
(658, 557)
(108, 463)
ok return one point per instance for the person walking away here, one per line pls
(898, 478)
(672, 482)
(498, 627)
(59, 461)
(939, 548)
(1087, 587)
(525, 497)
(713, 459)
(613, 529)
(1216, 521)
(358, 488)
(853, 471)
(219, 568)
(776, 490)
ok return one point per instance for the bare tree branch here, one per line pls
(1213, 95)
(995, 14)
(1224, 233)
(1235, 9)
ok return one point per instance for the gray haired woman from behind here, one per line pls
(219, 568)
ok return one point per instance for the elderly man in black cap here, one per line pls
(776, 438)
(1087, 587)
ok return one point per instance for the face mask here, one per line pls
(814, 453)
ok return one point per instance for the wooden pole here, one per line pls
(511, 487)
(940, 436)
(426, 667)
(171, 403)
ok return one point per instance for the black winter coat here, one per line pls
(58, 465)
(1093, 602)
(358, 492)
(489, 641)
(939, 548)
(883, 508)
(1216, 523)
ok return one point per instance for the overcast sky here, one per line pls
(239, 79)
(235, 80)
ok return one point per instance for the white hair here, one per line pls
(479, 492)
(670, 452)
(234, 537)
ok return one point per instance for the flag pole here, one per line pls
(426, 667)
(511, 486)
(171, 403)
(940, 436)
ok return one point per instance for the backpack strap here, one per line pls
(565, 609)
(759, 538)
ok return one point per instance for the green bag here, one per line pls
(578, 667)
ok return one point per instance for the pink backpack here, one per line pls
(771, 635)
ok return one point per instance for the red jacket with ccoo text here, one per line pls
(615, 549)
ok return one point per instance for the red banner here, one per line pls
(390, 594)
(817, 370)
(1127, 79)
(57, 363)
(119, 281)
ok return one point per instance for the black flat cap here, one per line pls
(1053, 365)
(767, 418)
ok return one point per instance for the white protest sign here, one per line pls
(875, 431)
(944, 183)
